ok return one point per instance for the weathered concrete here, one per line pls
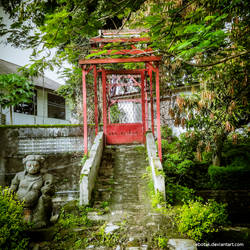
(90, 170)
(182, 244)
(156, 166)
(122, 187)
(43, 140)
(65, 168)
(62, 146)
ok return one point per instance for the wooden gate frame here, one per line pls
(151, 65)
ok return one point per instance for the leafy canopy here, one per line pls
(203, 42)
(15, 89)
(206, 43)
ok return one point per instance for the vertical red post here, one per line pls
(146, 109)
(96, 100)
(85, 121)
(143, 104)
(104, 104)
(151, 101)
(158, 117)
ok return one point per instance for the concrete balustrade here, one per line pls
(90, 170)
(156, 166)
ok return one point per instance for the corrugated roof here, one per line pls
(9, 68)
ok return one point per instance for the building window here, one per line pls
(56, 106)
(28, 108)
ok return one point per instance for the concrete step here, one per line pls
(120, 183)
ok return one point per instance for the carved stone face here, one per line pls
(32, 167)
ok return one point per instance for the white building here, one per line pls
(47, 107)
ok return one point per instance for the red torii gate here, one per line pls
(119, 133)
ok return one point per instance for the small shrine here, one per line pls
(128, 95)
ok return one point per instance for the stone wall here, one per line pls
(61, 146)
(169, 102)
(2, 119)
(166, 119)
(156, 166)
(43, 140)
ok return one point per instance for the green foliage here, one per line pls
(72, 216)
(74, 230)
(162, 242)
(183, 170)
(15, 89)
(157, 199)
(107, 239)
(197, 220)
(104, 204)
(166, 132)
(140, 149)
(236, 154)
(72, 220)
(230, 177)
(176, 194)
(116, 114)
(12, 227)
(235, 171)
(203, 43)
(178, 164)
(84, 159)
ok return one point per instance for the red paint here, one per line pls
(122, 32)
(89, 69)
(124, 133)
(125, 71)
(118, 40)
(151, 102)
(146, 111)
(143, 105)
(150, 65)
(158, 117)
(128, 132)
(104, 104)
(121, 60)
(128, 100)
(85, 126)
(124, 52)
(96, 100)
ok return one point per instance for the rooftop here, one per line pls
(9, 68)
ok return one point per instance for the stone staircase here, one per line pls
(122, 187)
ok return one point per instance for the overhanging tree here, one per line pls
(202, 41)
(65, 25)
(205, 42)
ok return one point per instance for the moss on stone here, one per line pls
(44, 126)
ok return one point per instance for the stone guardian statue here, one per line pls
(35, 190)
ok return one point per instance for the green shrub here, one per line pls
(12, 227)
(176, 194)
(166, 132)
(229, 177)
(73, 215)
(162, 242)
(235, 170)
(197, 220)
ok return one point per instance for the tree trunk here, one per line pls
(216, 159)
(11, 117)
(218, 150)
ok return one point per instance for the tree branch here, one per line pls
(215, 63)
